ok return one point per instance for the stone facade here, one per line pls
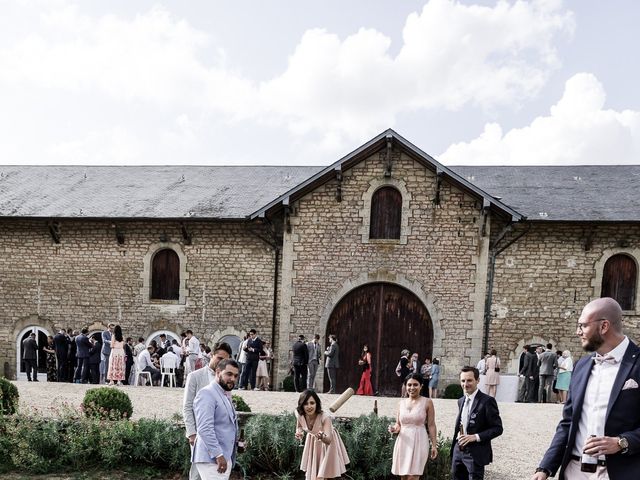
(285, 274)
(88, 279)
(545, 278)
(440, 257)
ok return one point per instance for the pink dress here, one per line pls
(116, 362)
(320, 460)
(411, 451)
(493, 377)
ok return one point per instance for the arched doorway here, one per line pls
(156, 336)
(41, 340)
(386, 317)
(234, 342)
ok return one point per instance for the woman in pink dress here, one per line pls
(492, 376)
(416, 429)
(365, 387)
(117, 359)
(324, 455)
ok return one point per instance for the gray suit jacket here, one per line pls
(29, 349)
(314, 352)
(332, 356)
(196, 381)
(217, 426)
(548, 362)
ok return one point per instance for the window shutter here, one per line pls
(386, 213)
(619, 280)
(165, 275)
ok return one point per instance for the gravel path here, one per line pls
(528, 428)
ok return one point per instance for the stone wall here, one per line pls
(441, 256)
(88, 279)
(545, 278)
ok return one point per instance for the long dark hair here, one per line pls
(117, 333)
(414, 376)
(304, 397)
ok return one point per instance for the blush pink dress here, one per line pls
(411, 451)
(320, 460)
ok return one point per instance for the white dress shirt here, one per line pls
(472, 398)
(194, 346)
(596, 397)
(144, 360)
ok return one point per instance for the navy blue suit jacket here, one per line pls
(84, 345)
(484, 420)
(622, 418)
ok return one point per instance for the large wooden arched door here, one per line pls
(387, 318)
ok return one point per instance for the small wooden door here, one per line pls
(388, 319)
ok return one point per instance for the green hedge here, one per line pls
(453, 391)
(9, 397)
(39, 445)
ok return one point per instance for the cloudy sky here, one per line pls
(295, 82)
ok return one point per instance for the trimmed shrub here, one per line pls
(453, 391)
(107, 403)
(239, 404)
(370, 446)
(271, 446)
(288, 385)
(9, 397)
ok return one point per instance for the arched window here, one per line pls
(619, 280)
(165, 275)
(386, 214)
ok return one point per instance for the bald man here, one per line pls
(600, 422)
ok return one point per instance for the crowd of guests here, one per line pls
(429, 370)
(543, 373)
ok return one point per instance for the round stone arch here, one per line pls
(514, 355)
(171, 306)
(596, 283)
(169, 333)
(29, 323)
(365, 212)
(399, 279)
(227, 334)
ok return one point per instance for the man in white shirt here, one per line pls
(193, 347)
(600, 422)
(145, 364)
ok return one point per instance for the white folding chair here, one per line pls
(168, 366)
(140, 373)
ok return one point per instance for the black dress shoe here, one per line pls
(36, 380)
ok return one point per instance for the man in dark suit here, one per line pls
(61, 346)
(300, 361)
(530, 372)
(83, 347)
(477, 424)
(30, 356)
(332, 362)
(252, 349)
(599, 427)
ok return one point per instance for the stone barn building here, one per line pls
(385, 247)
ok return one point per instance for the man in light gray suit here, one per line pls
(195, 382)
(213, 453)
(332, 361)
(547, 362)
(313, 348)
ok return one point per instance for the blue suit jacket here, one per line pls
(484, 420)
(216, 425)
(622, 418)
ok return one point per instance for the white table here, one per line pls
(507, 390)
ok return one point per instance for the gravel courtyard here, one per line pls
(528, 428)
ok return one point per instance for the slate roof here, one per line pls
(606, 193)
(568, 193)
(143, 192)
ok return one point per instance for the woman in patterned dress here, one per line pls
(117, 359)
(52, 370)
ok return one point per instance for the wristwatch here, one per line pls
(623, 443)
(544, 470)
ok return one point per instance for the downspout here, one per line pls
(494, 252)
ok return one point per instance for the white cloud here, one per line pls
(333, 93)
(578, 130)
